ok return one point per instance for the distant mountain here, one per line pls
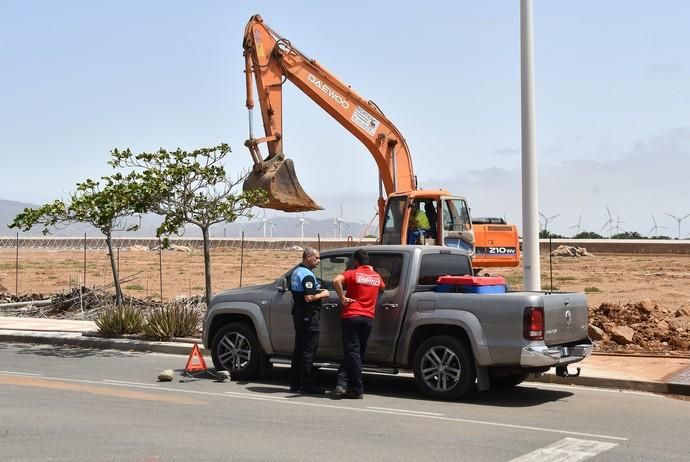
(288, 226)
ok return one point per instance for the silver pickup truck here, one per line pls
(455, 343)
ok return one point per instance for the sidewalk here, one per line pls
(641, 373)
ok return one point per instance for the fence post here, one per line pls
(241, 257)
(16, 270)
(160, 265)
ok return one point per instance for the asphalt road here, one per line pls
(76, 404)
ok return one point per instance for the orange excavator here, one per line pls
(407, 215)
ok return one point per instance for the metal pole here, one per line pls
(84, 259)
(530, 196)
(241, 256)
(16, 270)
(160, 265)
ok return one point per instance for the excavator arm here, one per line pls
(272, 60)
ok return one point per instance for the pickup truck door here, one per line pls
(282, 330)
(389, 309)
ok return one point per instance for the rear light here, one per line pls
(533, 323)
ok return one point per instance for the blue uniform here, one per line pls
(305, 316)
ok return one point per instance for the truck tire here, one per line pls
(236, 349)
(502, 382)
(444, 368)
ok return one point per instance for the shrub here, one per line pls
(120, 320)
(172, 321)
(589, 290)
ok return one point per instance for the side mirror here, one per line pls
(283, 285)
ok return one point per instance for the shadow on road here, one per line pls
(67, 351)
(278, 378)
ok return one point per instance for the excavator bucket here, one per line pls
(277, 177)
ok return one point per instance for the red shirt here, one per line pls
(362, 285)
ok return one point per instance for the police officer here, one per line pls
(306, 296)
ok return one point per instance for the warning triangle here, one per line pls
(196, 362)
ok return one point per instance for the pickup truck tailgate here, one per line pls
(565, 318)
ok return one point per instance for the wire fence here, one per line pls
(37, 267)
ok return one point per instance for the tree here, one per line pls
(103, 206)
(189, 188)
(628, 235)
(587, 235)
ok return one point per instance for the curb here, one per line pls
(620, 384)
(74, 339)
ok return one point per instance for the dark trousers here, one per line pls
(306, 343)
(355, 333)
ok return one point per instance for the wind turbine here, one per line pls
(302, 222)
(609, 222)
(679, 220)
(618, 224)
(338, 224)
(655, 228)
(547, 219)
(265, 221)
(577, 226)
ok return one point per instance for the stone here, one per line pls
(166, 376)
(622, 335)
(223, 376)
(595, 333)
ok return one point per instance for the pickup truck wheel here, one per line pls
(444, 368)
(236, 349)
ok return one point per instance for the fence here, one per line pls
(48, 265)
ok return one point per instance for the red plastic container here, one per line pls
(472, 284)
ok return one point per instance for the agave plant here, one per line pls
(172, 321)
(120, 320)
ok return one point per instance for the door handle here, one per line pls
(328, 306)
(389, 306)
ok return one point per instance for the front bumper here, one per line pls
(539, 356)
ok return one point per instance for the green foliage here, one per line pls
(117, 321)
(628, 235)
(591, 290)
(188, 187)
(172, 321)
(587, 235)
(545, 234)
(565, 278)
(134, 287)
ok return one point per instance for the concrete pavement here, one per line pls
(656, 374)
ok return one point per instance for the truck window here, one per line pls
(330, 267)
(440, 264)
(389, 267)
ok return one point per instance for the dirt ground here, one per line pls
(649, 294)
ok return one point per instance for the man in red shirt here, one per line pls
(357, 319)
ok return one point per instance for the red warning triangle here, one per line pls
(196, 362)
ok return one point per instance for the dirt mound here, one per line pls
(639, 327)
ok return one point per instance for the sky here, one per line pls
(612, 99)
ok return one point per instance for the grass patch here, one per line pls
(550, 288)
(565, 278)
(134, 287)
(198, 288)
(592, 290)
(514, 280)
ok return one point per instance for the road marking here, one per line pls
(567, 450)
(131, 383)
(86, 387)
(286, 400)
(405, 410)
(20, 373)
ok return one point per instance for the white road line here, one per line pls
(405, 410)
(295, 402)
(131, 383)
(18, 373)
(567, 450)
